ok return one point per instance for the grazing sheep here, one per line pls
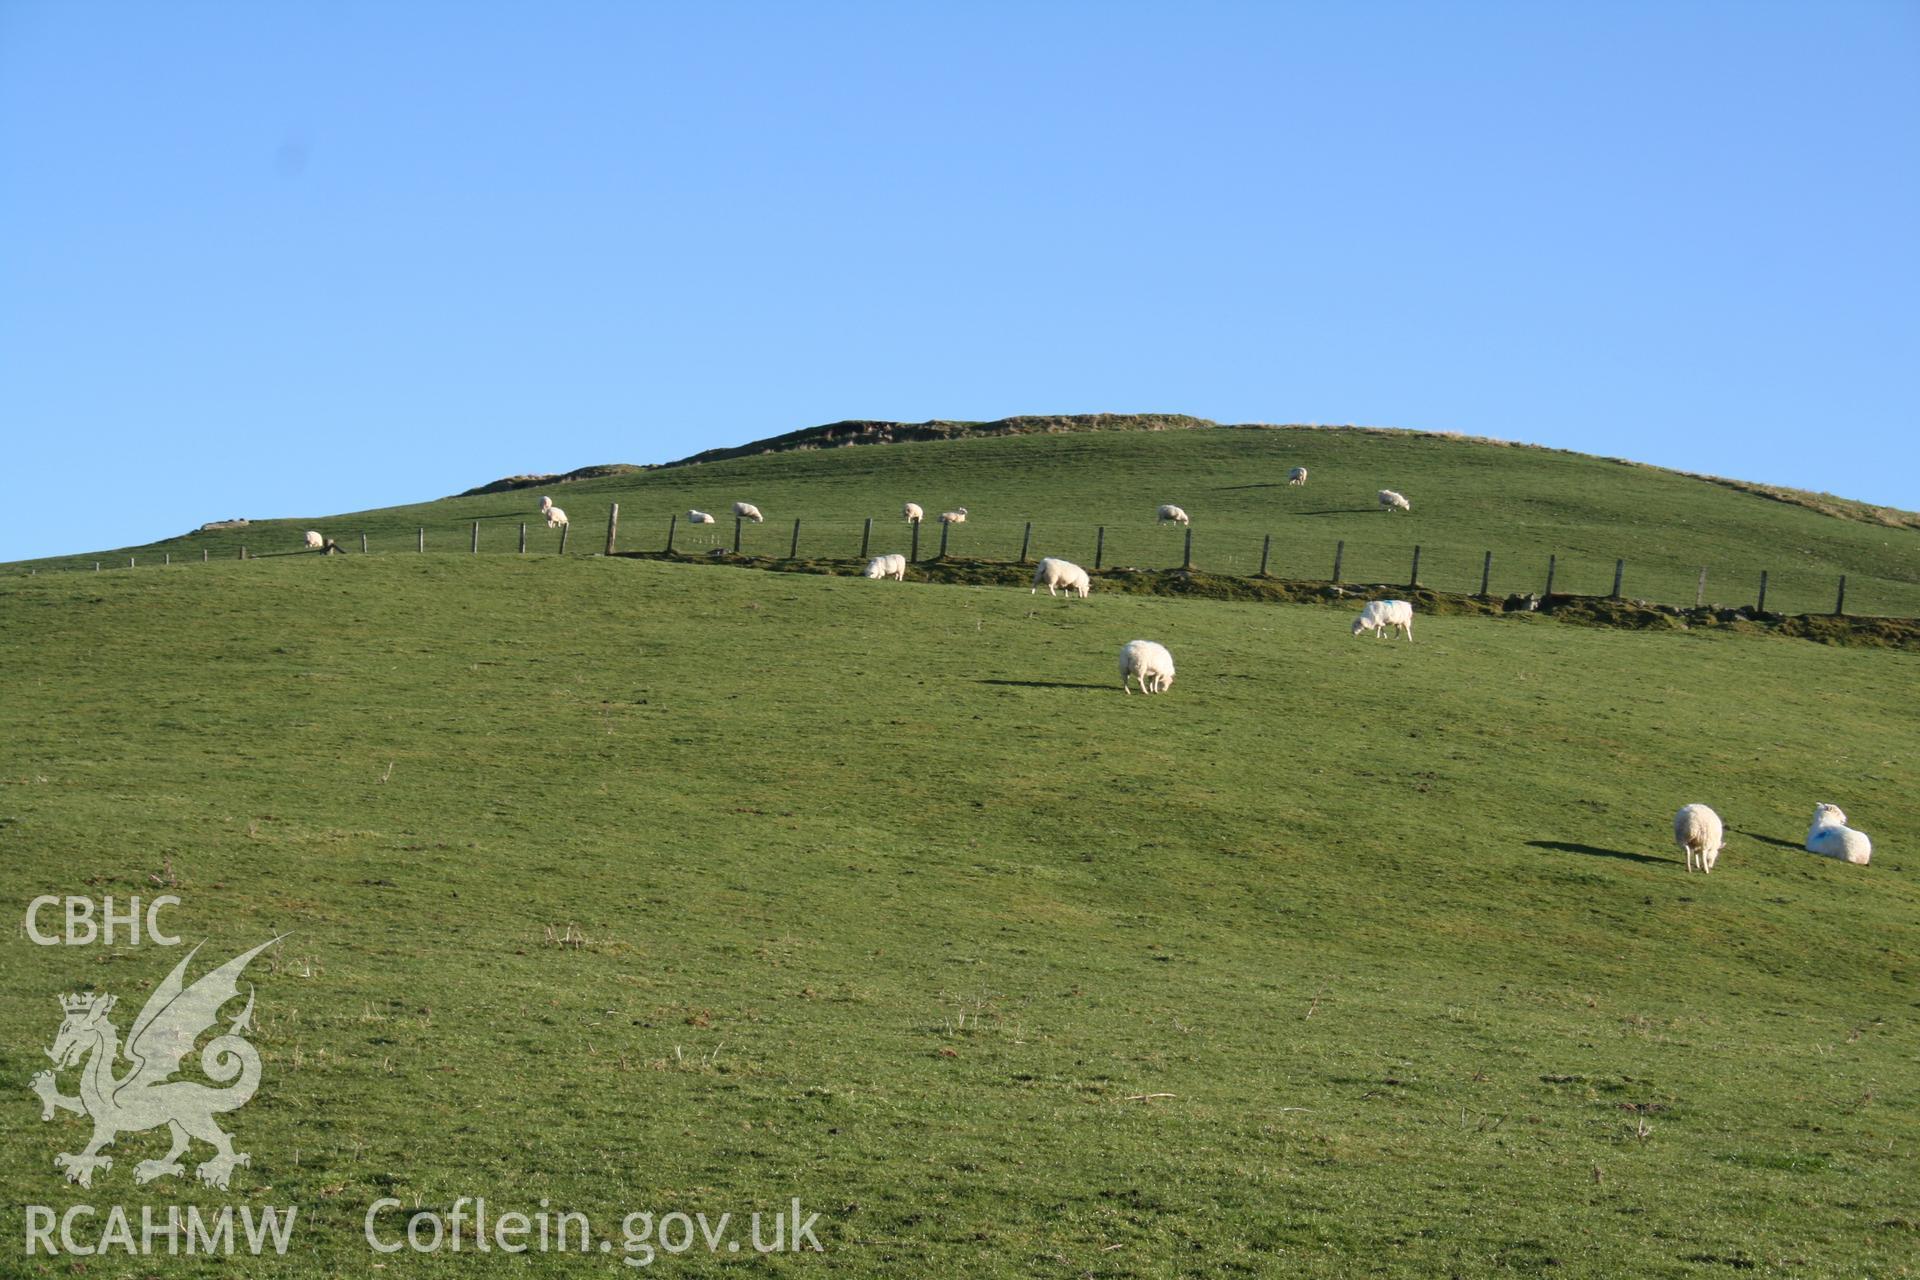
(1380, 616)
(1055, 572)
(1391, 501)
(747, 511)
(314, 540)
(913, 512)
(1831, 837)
(1147, 662)
(1170, 512)
(1700, 835)
(555, 516)
(1297, 476)
(957, 516)
(893, 566)
(700, 517)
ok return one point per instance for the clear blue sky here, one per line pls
(287, 259)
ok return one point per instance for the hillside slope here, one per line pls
(1469, 497)
(889, 900)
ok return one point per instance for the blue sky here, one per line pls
(292, 259)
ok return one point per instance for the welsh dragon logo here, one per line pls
(145, 1097)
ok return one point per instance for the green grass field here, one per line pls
(1469, 497)
(1341, 958)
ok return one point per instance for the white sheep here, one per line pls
(1168, 512)
(1391, 501)
(1147, 662)
(892, 566)
(1381, 616)
(1055, 572)
(1297, 476)
(1700, 834)
(699, 517)
(747, 511)
(1831, 837)
(555, 516)
(957, 516)
(314, 540)
(913, 512)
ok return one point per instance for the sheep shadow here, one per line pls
(1047, 684)
(1561, 846)
(1774, 840)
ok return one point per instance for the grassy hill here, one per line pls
(1469, 497)
(1342, 957)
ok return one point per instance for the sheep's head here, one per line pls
(1360, 624)
(1829, 815)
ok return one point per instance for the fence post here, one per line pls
(945, 529)
(1486, 574)
(1551, 564)
(1026, 540)
(566, 530)
(1762, 606)
(129, 562)
(1619, 570)
(1186, 557)
(866, 537)
(523, 537)
(1700, 592)
(1339, 553)
(1266, 545)
(1840, 605)
(168, 559)
(96, 566)
(423, 539)
(736, 535)
(1414, 581)
(203, 555)
(243, 553)
(793, 548)
(476, 537)
(913, 555)
(363, 541)
(673, 524)
(613, 525)
(1099, 548)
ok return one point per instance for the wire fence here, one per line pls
(1292, 556)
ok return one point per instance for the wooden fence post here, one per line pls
(129, 562)
(673, 525)
(1840, 605)
(203, 555)
(1186, 557)
(243, 553)
(866, 537)
(566, 530)
(1762, 606)
(363, 541)
(423, 539)
(1339, 553)
(1026, 540)
(1414, 581)
(1700, 592)
(96, 566)
(1619, 571)
(476, 537)
(913, 555)
(1266, 545)
(1551, 564)
(613, 525)
(1099, 548)
(168, 559)
(523, 537)
(945, 529)
(793, 548)
(1486, 574)
(736, 535)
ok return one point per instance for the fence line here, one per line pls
(1242, 553)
